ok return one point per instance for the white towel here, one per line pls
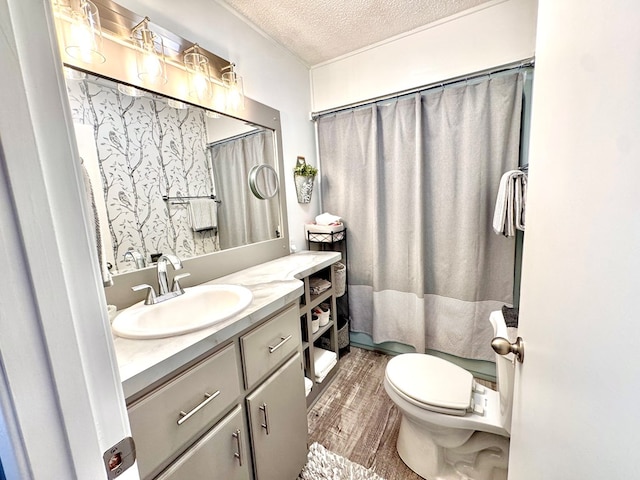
(510, 203)
(308, 385)
(322, 359)
(320, 376)
(94, 221)
(327, 219)
(203, 214)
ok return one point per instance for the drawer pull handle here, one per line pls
(265, 425)
(238, 454)
(184, 416)
(283, 340)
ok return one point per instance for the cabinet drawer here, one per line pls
(268, 345)
(221, 453)
(202, 393)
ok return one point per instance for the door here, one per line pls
(277, 412)
(61, 401)
(575, 413)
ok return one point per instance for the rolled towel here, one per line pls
(327, 219)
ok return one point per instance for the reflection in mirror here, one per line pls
(173, 179)
(232, 159)
(263, 181)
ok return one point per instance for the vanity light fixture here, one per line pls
(199, 73)
(83, 34)
(150, 59)
(235, 90)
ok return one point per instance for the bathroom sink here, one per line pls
(199, 307)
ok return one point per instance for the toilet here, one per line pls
(452, 428)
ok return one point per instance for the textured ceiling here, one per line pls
(320, 30)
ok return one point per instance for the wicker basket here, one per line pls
(340, 278)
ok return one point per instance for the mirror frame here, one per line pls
(117, 67)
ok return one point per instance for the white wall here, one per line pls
(495, 34)
(272, 76)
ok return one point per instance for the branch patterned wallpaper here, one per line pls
(146, 149)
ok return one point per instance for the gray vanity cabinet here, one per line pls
(220, 454)
(278, 422)
(206, 423)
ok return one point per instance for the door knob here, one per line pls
(502, 346)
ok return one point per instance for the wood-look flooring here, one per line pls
(355, 418)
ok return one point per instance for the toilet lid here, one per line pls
(431, 381)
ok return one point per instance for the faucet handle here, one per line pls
(176, 287)
(173, 260)
(151, 294)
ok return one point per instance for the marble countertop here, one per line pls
(274, 285)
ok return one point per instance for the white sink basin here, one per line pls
(199, 307)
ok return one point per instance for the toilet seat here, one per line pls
(431, 383)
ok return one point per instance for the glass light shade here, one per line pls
(73, 74)
(177, 104)
(130, 91)
(150, 59)
(83, 34)
(199, 73)
(235, 89)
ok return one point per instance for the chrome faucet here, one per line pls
(136, 257)
(163, 284)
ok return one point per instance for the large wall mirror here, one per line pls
(157, 165)
(169, 170)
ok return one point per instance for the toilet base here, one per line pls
(468, 455)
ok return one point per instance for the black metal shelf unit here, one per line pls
(337, 242)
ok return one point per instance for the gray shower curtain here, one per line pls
(416, 180)
(243, 218)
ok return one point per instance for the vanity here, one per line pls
(229, 398)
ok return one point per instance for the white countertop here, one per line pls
(274, 285)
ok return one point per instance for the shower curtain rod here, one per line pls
(528, 62)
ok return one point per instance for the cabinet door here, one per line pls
(278, 422)
(220, 454)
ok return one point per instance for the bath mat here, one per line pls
(323, 464)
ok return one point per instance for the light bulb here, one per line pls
(233, 98)
(152, 66)
(150, 54)
(83, 37)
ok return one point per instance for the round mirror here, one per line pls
(263, 181)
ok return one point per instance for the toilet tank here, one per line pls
(505, 370)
